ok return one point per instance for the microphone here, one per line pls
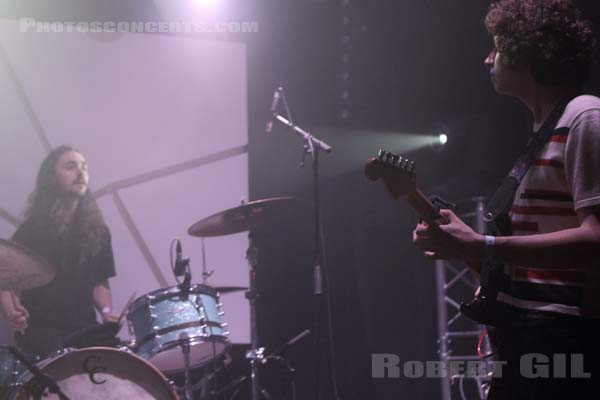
(179, 264)
(274, 104)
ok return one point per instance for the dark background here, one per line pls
(358, 74)
(411, 66)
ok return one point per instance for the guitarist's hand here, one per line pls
(454, 240)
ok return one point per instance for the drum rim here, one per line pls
(65, 352)
(179, 327)
(192, 341)
(168, 292)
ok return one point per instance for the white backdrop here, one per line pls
(134, 104)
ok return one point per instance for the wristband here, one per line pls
(488, 250)
(105, 310)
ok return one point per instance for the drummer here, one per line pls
(65, 226)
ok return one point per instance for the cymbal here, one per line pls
(243, 218)
(229, 289)
(21, 268)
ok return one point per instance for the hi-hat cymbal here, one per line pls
(244, 217)
(21, 268)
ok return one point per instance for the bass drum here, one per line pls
(98, 373)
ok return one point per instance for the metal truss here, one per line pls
(458, 337)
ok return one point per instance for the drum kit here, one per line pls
(176, 329)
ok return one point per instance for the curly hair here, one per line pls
(44, 208)
(549, 37)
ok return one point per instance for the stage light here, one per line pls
(189, 10)
(438, 141)
(205, 2)
(439, 134)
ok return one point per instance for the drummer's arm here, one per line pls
(103, 301)
(13, 311)
(6, 302)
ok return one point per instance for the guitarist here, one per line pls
(549, 279)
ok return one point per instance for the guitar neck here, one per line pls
(425, 208)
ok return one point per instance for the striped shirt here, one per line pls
(564, 178)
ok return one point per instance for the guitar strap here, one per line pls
(497, 212)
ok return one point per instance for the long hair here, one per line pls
(549, 37)
(45, 210)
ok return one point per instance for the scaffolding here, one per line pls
(458, 337)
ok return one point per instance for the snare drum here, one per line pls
(98, 373)
(165, 320)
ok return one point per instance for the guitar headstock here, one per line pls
(397, 173)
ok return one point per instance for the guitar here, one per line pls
(399, 177)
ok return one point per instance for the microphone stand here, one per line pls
(312, 146)
(40, 381)
(308, 138)
(182, 267)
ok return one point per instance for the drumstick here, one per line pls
(125, 308)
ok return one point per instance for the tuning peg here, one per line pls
(411, 167)
(381, 154)
(402, 163)
(388, 157)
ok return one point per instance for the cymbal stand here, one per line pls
(255, 354)
(205, 273)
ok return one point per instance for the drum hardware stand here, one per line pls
(233, 384)
(182, 267)
(284, 347)
(313, 146)
(237, 384)
(204, 385)
(205, 382)
(40, 381)
(192, 387)
(185, 349)
(277, 355)
(205, 273)
(255, 354)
